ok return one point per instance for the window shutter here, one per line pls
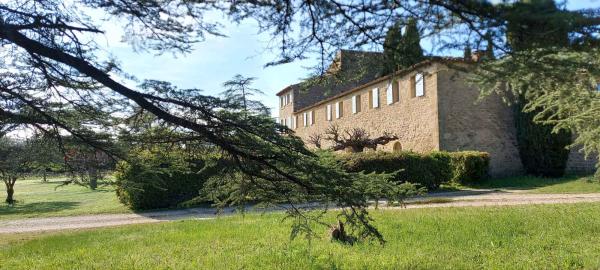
(338, 110)
(305, 120)
(328, 112)
(389, 94)
(419, 85)
(311, 118)
(375, 98)
(354, 105)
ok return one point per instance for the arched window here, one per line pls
(397, 147)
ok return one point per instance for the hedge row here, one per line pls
(469, 167)
(429, 170)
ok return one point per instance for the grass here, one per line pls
(523, 237)
(43, 199)
(567, 184)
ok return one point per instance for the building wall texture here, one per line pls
(467, 123)
(449, 117)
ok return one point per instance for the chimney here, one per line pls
(478, 56)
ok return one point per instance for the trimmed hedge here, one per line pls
(428, 170)
(161, 178)
(469, 166)
(140, 187)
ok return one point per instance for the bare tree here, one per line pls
(315, 139)
(356, 139)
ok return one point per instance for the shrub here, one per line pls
(429, 170)
(159, 179)
(469, 166)
(543, 153)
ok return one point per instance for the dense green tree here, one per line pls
(402, 50)
(391, 54)
(543, 150)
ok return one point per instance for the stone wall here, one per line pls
(579, 164)
(468, 124)
(413, 119)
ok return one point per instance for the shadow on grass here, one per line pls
(37, 207)
(526, 182)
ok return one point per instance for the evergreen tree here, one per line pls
(391, 54)
(410, 47)
(542, 152)
(402, 51)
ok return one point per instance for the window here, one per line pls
(289, 98)
(397, 147)
(374, 94)
(328, 112)
(289, 122)
(311, 118)
(339, 110)
(305, 119)
(419, 85)
(281, 101)
(389, 94)
(356, 104)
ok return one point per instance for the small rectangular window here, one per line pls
(375, 98)
(339, 110)
(328, 112)
(389, 94)
(419, 85)
(281, 101)
(305, 119)
(311, 118)
(289, 122)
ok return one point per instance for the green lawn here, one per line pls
(523, 237)
(38, 199)
(567, 184)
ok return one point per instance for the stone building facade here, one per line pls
(429, 107)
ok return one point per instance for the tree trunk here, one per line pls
(93, 174)
(10, 190)
(45, 179)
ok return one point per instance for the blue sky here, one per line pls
(218, 59)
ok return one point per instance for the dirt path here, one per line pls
(470, 198)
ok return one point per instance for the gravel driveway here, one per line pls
(469, 198)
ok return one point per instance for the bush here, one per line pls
(469, 166)
(543, 153)
(159, 179)
(429, 170)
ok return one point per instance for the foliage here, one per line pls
(542, 152)
(159, 178)
(529, 26)
(469, 166)
(428, 170)
(240, 94)
(15, 161)
(564, 97)
(402, 51)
